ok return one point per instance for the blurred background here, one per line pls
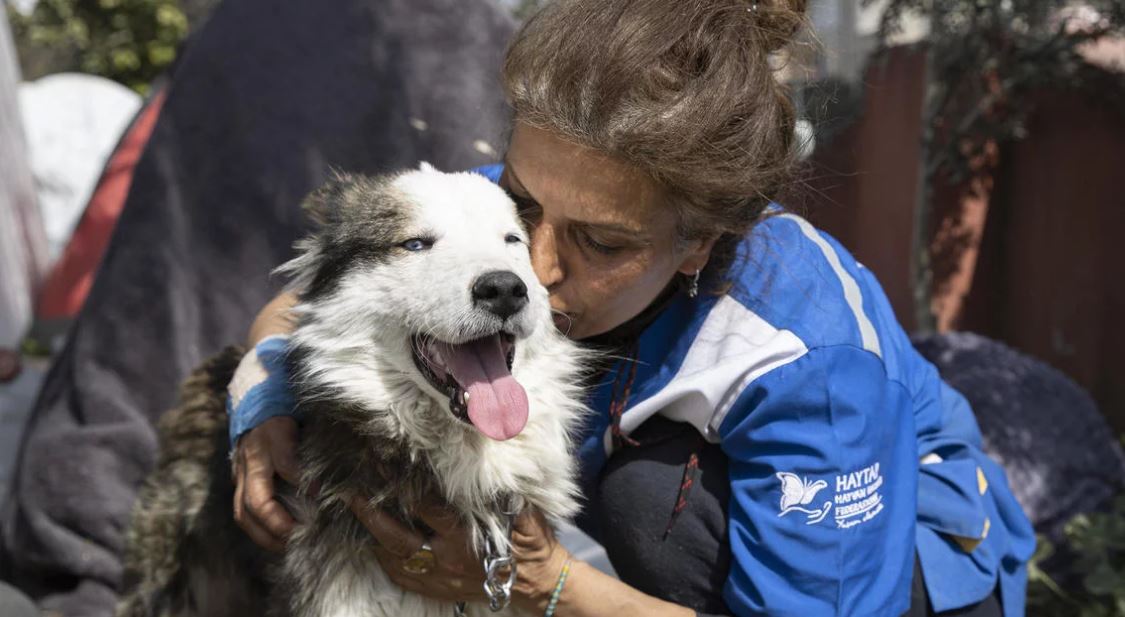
(970, 152)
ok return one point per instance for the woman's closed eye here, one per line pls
(586, 236)
(601, 247)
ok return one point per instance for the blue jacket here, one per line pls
(848, 453)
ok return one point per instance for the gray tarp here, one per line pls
(1056, 447)
(265, 99)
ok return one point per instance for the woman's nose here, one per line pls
(545, 258)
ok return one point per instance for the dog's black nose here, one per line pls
(500, 292)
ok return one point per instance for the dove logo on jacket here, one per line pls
(797, 492)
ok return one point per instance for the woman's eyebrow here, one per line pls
(616, 228)
(636, 234)
(512, 172)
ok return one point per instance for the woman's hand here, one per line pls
(457, 575)
(268, 449)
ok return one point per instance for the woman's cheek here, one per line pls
(625, 296)
(611, 293)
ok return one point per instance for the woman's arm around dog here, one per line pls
(586, 592)
(267, 450)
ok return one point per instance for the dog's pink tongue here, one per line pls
(497, 402)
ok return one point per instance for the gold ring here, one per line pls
(421, 562)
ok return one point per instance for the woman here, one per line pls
(767, 441)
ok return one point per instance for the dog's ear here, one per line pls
(323, 204)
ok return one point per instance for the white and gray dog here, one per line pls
(426, 367)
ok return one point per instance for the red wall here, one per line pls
(861, 186)
(1051, 279)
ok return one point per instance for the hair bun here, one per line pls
(778, 21)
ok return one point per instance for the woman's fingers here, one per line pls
(441, 519)
(456, 575)
(268, 449)
(532, 524)
(283, 449)
(256, 531)
(433, 584)
(450, 542)
(392, 536)
(261, 502)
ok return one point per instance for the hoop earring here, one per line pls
(693, 285)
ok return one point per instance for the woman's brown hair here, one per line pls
(682, 89)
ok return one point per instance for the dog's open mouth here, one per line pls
(477, 378)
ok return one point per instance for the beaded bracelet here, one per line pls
(554, 601)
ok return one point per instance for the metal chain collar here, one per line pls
(497, 583)
(499, 572)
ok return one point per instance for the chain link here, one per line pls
(499, 572)
(497, 586)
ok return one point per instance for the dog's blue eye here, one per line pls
(417, 244)
(512, 238)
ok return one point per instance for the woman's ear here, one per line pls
(698, 253)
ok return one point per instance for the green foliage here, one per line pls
(1096, 545)
(986, 62)
(33, 348)
(987, 59)
(128, 41)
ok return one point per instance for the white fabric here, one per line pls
(23, 247)
(249, 373)
(734, 347)
(72, 122)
